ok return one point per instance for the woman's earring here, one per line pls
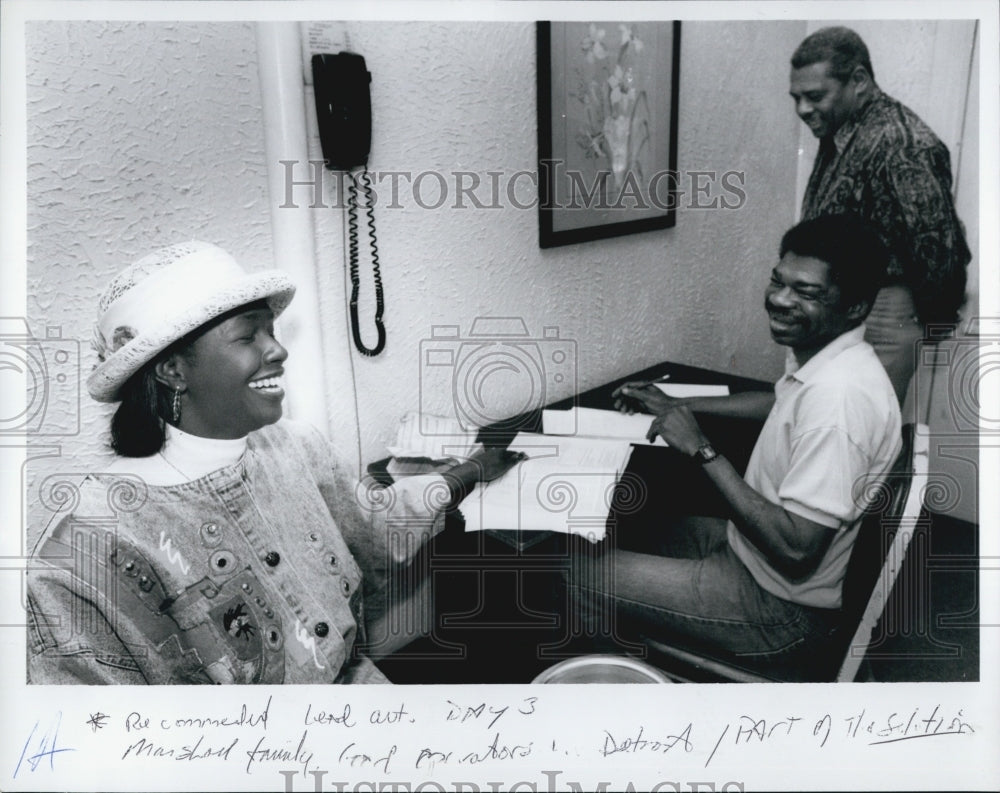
(177, 405)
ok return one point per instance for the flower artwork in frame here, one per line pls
(607, 129)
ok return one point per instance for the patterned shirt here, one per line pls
(887, 167)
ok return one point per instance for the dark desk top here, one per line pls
(501, 433)
(732, 437)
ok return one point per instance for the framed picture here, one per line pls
(607, 129)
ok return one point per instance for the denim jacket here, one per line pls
(247, 575)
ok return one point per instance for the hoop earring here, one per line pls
(176, 406)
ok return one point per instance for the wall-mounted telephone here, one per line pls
(344, 113)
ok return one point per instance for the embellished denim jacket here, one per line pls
(247, 575)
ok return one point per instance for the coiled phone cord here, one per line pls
(352, 234)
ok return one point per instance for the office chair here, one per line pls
(887, 526)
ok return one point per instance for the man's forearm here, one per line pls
(792, 544)
(746, 405)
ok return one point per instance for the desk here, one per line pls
(733, 438)
(495, 610)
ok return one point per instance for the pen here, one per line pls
(647, 383)
(657, 380)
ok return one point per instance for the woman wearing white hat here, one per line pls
(221, 545)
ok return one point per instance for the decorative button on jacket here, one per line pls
(225, 579)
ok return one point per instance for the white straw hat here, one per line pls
(164, 296)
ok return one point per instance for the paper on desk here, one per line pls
(566, 485)
(684, 390)
(402, 467)
(594, 423)
(434, 438)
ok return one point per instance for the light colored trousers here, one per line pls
(893, 331)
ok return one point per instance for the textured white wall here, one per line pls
(452, 97)
(139, 135)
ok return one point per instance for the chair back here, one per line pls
(887, 527)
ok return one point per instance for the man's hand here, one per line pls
(642, 396)
(674, 420)
(677, 426)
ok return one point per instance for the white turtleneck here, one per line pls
(184, 458)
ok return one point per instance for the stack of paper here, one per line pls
(686, 390)
(613, 424)
(433, 437)
(566, 485)
(401, 467)
(568, 482)
(594, 423)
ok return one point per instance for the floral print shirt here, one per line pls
(886, 166)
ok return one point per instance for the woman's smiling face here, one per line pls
(232, 373)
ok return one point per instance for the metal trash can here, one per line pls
(602, 669)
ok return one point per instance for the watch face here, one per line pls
(705, 454)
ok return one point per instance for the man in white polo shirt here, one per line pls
(769, 579)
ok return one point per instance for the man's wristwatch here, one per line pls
(705, 454)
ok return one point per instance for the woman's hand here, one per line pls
(486, 465)
(494, 462)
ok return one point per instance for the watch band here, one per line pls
(705, 454)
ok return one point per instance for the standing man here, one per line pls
(879, 161)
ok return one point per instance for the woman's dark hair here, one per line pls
(138, 428)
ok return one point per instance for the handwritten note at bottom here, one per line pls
(490, 738)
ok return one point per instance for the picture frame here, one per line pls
(607, 129)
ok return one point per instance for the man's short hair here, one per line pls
(851, 249)
(841, 47)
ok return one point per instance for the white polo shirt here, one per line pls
(835, 426)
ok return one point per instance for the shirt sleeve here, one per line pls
(74, 633)
(384, 526)
(926, 233)
(826, 465)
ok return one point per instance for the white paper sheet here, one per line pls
(686, 390)
(594, 423)
(433, 437)
(566, 485)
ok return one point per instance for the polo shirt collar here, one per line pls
(828, 353)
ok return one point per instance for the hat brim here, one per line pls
(105, 381)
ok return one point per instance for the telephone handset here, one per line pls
(344, 112)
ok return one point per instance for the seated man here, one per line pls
(770, 579)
